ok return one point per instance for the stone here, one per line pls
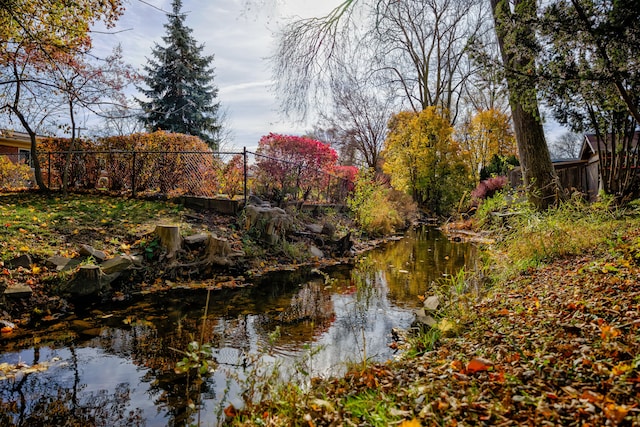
(422, 318)
(316, 252)
(21, 261)
(196, 239)
(90, 251)
(432, 303)
(116, 264)
(18, 291)
(61, 263)
(314, 228)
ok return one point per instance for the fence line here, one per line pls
(176, 173)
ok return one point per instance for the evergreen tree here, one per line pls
(181, 97)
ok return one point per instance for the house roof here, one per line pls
(592, 145)
(10, 138)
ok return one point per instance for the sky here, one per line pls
(240, 35)
(241, 38)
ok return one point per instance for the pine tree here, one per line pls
(181, 97)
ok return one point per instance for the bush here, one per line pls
(380, 210)
(13, 175)
(488, 188)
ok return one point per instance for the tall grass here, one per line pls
(530, 238)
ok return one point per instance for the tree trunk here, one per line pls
(515, 40)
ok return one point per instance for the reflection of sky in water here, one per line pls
(357, 320)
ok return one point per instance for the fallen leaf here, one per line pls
(616, 413)
(230, 411)
(478, 364)
(411, 423)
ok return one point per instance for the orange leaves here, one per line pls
(230, 411)
(608, 332)
(478, 364)
(411, 423)
(615, 413)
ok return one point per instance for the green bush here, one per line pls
(378, 209)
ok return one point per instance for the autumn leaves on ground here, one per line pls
(554, 340)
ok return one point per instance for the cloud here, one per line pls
(241, 43)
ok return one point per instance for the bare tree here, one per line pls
(416, 47)
(566, 146)
(359, 116)
(421, 48)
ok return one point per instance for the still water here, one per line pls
(116, 366)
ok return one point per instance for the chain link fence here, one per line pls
(182, 173)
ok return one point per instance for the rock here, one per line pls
(423, 319)
(316, 252)
(314, 228)
(61, 263)
(87, 250)
(431, 303)
(18, 291)
(328, 229)
(21, 261)
(196, 239)
(257, 201)
(138, 260)
(116, 264)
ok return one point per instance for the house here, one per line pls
(15, 145)
(591, 151)
(581, 174)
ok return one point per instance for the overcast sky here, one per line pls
(241, 40)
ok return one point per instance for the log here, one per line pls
(170, 239)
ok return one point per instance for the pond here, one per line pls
(117, 366)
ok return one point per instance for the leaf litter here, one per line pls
(557, 345)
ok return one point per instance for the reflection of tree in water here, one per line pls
(153, 344)
(300, 317)
(412, 264)
(25, 403)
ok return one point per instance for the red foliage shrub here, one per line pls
(488, 188)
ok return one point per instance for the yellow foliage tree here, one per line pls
(423, 159)
(488, 133)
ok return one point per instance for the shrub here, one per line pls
(13, 175)
(378, 209)
(488, 188)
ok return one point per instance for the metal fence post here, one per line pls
(49, 171)
(133, 173)
(244, 156)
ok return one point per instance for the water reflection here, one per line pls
(116, 366)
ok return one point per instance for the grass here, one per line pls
(43, 225)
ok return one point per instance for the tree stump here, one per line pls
(271, 224)
(170, 239)
(87, 281)
(217, 251)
